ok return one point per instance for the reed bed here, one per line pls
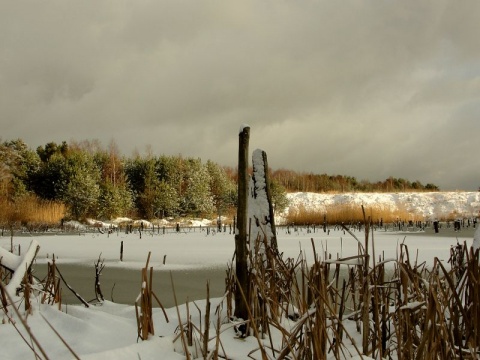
(347, 214)
(381, 308)
(32, 211)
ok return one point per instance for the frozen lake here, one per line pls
(195, 257)
(123, 285)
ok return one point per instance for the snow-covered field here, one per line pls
(109, 331)
(428, 205)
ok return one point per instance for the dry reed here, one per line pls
(346, 214)
(144, 304)
(32, 211)
(415, 312)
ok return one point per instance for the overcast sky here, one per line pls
(369, 89)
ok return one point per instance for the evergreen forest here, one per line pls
(89, 180)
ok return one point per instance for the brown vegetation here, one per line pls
(144, 304)
(362, 305)
(30, 210)
(346, 214)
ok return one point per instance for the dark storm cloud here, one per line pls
(364, 88)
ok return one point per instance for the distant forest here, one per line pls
(98, 182)
(308, 182)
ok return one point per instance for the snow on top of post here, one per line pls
(242, 127)
(258, 206)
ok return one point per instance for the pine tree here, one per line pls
(82, 194)
(166, 202)
(17, 165)
(223, 190)
(197, 198)
(82, 191)
(114, 200)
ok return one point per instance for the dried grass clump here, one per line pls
(346, 214)
(344, 307)
(144, 304)
(30, 210)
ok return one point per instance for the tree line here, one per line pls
(308, 182)
(98, 182)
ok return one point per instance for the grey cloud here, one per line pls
(368, 89)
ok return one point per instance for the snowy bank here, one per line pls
(430, 205)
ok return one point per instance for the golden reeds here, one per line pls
(30, 210)
(414, 312)
(347, 214)
(144, 304)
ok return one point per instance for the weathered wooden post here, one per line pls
(366, 289)
(271, 216)
(241, 267)
(121, 251)
(260, 209)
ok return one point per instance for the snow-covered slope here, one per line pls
(428, 204)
